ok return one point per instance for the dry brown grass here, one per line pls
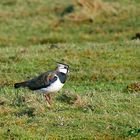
(133, 87)
(4, 110)
(80, 102)
(90, 9)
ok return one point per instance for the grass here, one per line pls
(95, 102)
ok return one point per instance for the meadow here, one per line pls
(101, 98)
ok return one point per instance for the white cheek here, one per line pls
(63, 70)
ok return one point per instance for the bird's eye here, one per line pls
(65, 67)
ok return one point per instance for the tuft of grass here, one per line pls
(133, 132)
(68, 98)
(133, 87)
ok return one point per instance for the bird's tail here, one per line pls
(22, 84)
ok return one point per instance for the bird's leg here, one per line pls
(48, 99)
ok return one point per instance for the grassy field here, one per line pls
(101, 99)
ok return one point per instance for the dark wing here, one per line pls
(42, 81)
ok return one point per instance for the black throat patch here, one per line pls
(62, 77)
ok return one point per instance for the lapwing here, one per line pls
(48, 82)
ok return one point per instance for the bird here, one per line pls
(48, 82)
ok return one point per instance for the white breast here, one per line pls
(54, 87)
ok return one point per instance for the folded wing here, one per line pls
(42, 81)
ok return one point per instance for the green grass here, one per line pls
(95, 102)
